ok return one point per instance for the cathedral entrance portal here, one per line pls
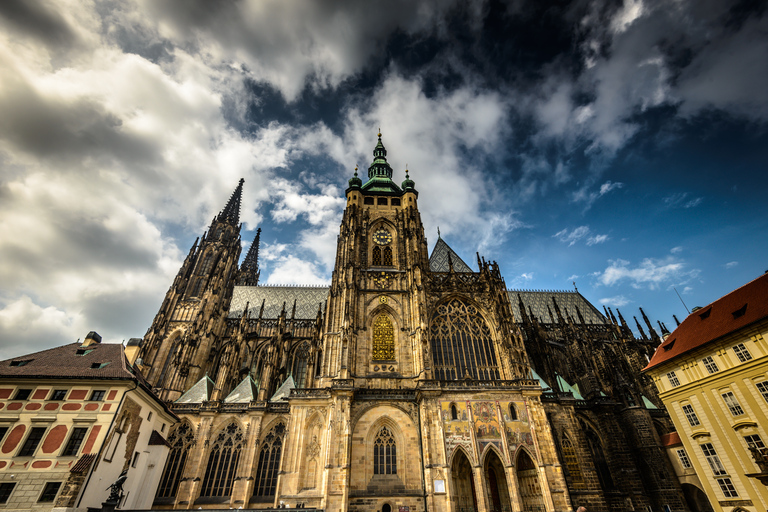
(531, 495)
(498, 493)
(463, 483)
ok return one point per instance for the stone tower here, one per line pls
(185, 335)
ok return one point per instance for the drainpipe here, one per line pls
(421, 453)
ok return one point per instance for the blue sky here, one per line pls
(618, 145)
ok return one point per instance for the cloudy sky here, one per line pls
(620, 146)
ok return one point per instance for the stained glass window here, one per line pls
(376, 257)
(223, 461)
(383, 339)
(571, 461)
(180, 440)
(299, 370)
(387, 257)
(462, 343)
(384, 453)
(269, 462)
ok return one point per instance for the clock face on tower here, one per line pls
(382, 237)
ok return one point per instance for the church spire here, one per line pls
(231, 212)
(380, 168)
(249, 268)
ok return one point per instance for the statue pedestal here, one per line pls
(108, 506)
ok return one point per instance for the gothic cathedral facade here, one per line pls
(413, 382)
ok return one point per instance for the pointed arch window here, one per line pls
(383, 339)
(512, 412)
(299, 369)
(571, 461)
(207, 264)
(376, 257)
(180, 440)
(269, 462)
(454, 412)
(223, 461)
(386, 257)
(461, 343)
(384, 453)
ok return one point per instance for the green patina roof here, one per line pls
(379, 174)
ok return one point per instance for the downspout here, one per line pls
(101, 449)
(421, 453)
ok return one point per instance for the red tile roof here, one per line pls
(738, 309)
(671, 439)
(84, 463)
(64, 362)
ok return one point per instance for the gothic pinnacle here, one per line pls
(231, 212)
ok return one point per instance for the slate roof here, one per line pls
(199, 393)
(738, 309)
(308, 299)
(245, 392)
(64, 362)
(438, 260)
(537, 301)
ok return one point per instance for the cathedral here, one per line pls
(414, 382)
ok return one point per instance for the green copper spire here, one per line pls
(408, 183)
(355, 181)
(379, 168)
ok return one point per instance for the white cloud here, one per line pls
(293, 270)
(589, 198)
(682, 200)
(731, 264)
(578, 234)
(597, 239)
(618, 301)
(650, 273)
(573, 236)
(676, 250)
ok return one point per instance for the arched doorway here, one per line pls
(498, 490)
(696, 499)
(463, 488)
(531, 497)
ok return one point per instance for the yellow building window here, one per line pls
(383, 339)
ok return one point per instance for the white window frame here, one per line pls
(684, 460)
(712, 458)
(673, 380)
(710, 365)
(732, 403)
(742, 352)
(690, 414)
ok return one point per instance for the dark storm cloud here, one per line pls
(40, 20)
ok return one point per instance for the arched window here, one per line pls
(383, 339)
(299, 369)
(598, 457)
(376, 257)
(571, 461)
(454, 412)
(222, 462)
(206, 266)
(269, 462)
(384, 453)
(196, 288)
(512, 412)
(180, 440)
(461, 343)
(386, 257)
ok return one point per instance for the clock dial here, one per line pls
(382, 237)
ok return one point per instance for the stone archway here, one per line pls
(531, 496)
(496, 483)
(696, 499)
(463, 485)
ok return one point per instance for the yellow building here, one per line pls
(73, 418)
(712, 375)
